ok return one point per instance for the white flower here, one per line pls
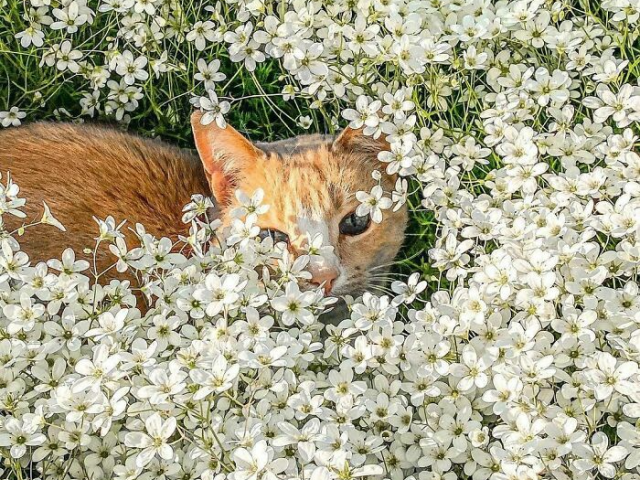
(608, 104)
(373, 203)
(608, 376)
(365, 113)
(304, 439)
(97, 370)
(24, 315)
(407, 292)
(109, 324)
(67, 331)
(49, 219)
(131, 68)
(154, 441)
(630, 436)
(209, 73)
(69, 18)
(69, 265)
(305, 122)
(219, 379)
(219, 293)
(506, 391)
(250, 206)
(471, 370)
(213, 109)
(598, 455)
(19, 436)
(163, 383)
(257, 462)
(294, 305)
(562, 435)
(32, 35)
(203, 32)
(343, 386)
(12, 117)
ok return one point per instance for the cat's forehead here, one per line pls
(291, 147)
(304, 176)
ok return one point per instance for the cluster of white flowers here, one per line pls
(515, 122)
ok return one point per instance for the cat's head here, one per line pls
(310, 183)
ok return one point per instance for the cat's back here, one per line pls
(83, 171)
(86, 152)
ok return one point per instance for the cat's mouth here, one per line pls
(338, 292)
(356, 283)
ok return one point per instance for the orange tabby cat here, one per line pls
(309, 181)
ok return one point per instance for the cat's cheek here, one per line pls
(356, 256)
(341, 284)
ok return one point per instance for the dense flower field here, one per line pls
(511, 353)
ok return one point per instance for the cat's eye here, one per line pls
(276, 235)
(354, 224)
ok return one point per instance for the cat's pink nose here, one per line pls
(325, 277)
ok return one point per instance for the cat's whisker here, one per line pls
(389, 275)
(386, 274)
(382, 279)
(385, 265)
(382, 274)
(378, 285)
(396, 262)
(383, 287)
(380, 290)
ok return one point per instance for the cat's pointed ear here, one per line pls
(355, 141)
(224, 154)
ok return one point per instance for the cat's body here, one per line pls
(309, 182)
(84, 171)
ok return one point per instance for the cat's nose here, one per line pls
(325, 277)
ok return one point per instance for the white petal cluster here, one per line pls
(513, 130)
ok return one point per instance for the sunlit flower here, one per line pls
(154, 441)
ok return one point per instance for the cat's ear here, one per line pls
(355, 141)
(224, 153)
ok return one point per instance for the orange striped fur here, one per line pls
(84, 171)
